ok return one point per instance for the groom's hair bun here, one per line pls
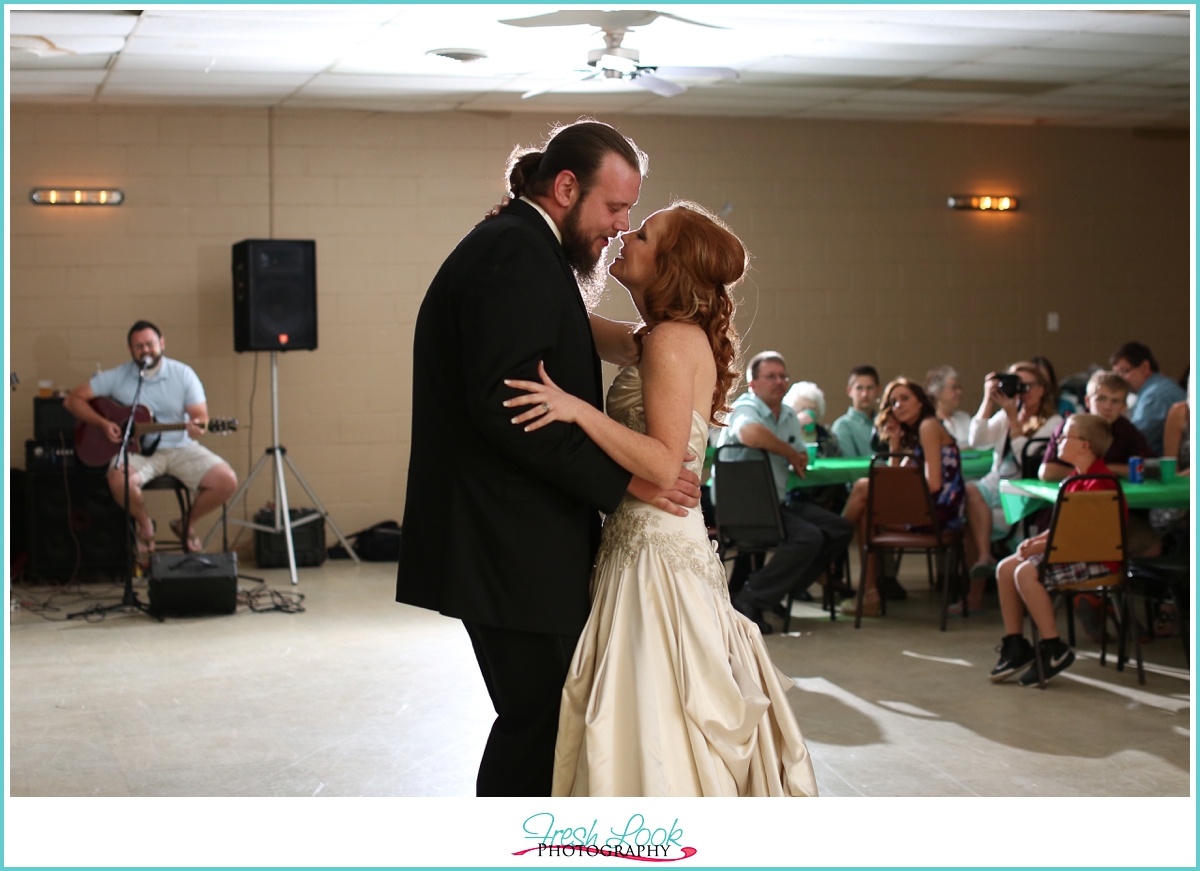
(579, 148)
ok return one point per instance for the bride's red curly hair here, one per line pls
(698, 263)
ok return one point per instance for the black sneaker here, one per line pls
(742, 604)
(890, 589)
(1015, 654)
(1056, 658)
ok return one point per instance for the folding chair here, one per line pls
(747, 510)
(1089, 526)
(900, 516)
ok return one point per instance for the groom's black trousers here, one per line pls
(524, 673)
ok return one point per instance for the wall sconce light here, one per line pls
(983, 203)
(76, 197)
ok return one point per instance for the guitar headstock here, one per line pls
(223, 425)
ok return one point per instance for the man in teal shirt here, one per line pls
(814, 537)
(853, 429)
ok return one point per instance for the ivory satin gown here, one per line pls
(671, 691)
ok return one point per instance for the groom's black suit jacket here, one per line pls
(501, 526)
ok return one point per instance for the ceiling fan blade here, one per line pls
(659, 86)
(617, 20)
(698, 72)
(557, 85)
(691, 21)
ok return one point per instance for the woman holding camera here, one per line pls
(1017, 406)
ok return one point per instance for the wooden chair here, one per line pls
(747, 509)
(1089, 526)
(900, 516)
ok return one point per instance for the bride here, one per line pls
(671, 691)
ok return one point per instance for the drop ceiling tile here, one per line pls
(835, 66)
(307, 52)
(219, 63)
(1115, 60)
(166, 79)
(63, 77)
(107, 23)
(367, 85)
(52, 93)
(278, 27)
(1026, 73)
(930, 98)
(24, 60)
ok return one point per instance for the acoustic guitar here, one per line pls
(93, 448)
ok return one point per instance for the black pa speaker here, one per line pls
(275, 295)
(51, 420)
(70, 505)
(183, 584)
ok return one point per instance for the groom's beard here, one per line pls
(589, 271)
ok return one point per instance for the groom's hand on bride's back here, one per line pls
(676, 499)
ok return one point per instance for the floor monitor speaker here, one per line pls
(275, 295)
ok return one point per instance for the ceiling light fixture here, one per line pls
(462, 55)
(76, 197)
(983, 202)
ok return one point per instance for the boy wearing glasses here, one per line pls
(1106, 393)
(1084, 441)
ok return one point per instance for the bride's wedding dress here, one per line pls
(671, 691)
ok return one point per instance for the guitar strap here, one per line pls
(150, 445)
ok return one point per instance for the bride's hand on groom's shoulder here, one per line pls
(549, 401)
(498, 208)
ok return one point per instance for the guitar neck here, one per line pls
(148, 428)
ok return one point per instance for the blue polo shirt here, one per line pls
(748, 408)
(853, 430)
(1154, 400)
(167, 393)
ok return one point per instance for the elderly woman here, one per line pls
(943, 387)
(808, 401)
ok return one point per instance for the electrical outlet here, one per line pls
(1051, 322)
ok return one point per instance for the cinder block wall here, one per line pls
(856, 257)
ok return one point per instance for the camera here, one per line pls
(1011, 384)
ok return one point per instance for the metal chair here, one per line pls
(900, 516)
(184, 497)
(1153, 576)
(747, 509)
(1089, 526)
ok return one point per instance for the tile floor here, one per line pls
(359, 696)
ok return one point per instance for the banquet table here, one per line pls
(824, 471)
(1024, 496)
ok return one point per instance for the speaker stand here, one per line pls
(277, 454)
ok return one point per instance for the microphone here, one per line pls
(147, 361)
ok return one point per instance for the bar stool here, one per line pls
(184, 497)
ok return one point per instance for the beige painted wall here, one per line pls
(857, 258)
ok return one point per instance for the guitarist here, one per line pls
(174, 394)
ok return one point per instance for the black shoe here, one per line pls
(1056, 658)
(890, 589)
(742, 604)
(1015, 654)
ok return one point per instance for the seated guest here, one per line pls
(814, 537)
(908, 423)
(1084, 441)
(1028, 415)
(1156, 393)
(853, 429)
(808, 401)
(1106, 392)
(1064, 404)
(1177, 439)
(943, 387)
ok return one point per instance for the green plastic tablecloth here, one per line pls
(1023, 497)
(824, 471)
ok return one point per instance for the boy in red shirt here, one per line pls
(1083, 442)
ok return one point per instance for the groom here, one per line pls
(501, 526)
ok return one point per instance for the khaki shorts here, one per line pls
(189, 464)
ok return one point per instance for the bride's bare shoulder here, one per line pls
(676, 339)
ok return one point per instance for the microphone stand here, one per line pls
(129, 600)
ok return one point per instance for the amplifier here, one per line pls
(270, 548)
(50, 419)
(183, 584)
(50, 455)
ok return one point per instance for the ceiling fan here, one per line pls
(614, 61)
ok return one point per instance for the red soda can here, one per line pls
(1137, 473)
